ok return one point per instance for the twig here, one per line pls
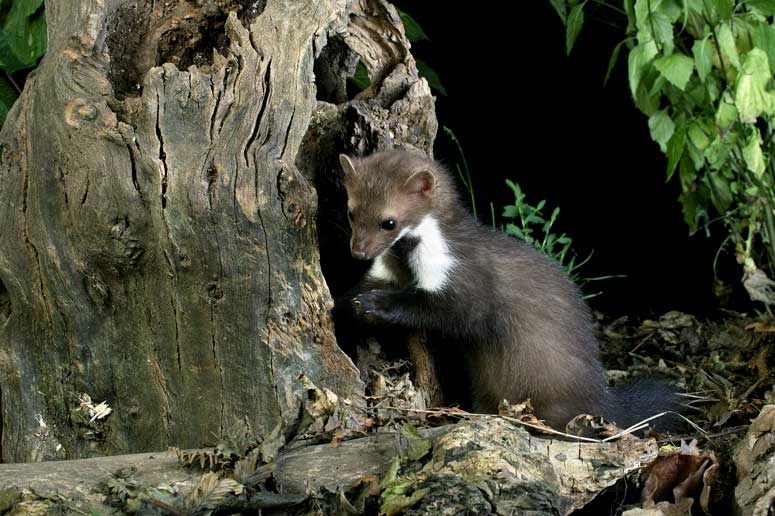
(731, 431)
(633, 428)
(545, 429)
(13, 83)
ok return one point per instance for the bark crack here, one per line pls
(134, 166)
(64, 183)
(173, 303)
(268, 268)
(85, 192)
(162, 154)
(25, 230)
(257, 123)
(217, 365)
(2, 409)
(218, 94)
(158, 373)
(174, 308)
(170, 265)
(177, 334)
(220, 98)
(288, 130)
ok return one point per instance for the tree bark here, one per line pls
(159, 244)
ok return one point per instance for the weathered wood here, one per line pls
(506, 468)
(755, 463)
(159, 244)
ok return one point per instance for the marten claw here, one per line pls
(371, 305)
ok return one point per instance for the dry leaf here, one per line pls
(761, 326)
(210, 491)
(679, 475)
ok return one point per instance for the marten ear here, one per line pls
(422, 182)
(347, 166)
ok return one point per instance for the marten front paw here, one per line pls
(373, 305)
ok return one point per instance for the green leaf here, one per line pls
(630, 12)
(698, 136)
(690, 210)
(675, 149)
(573, 26)
(726, 42)
(638, 62)
(676, 68)
(654, 20)
(648, 98)
(703, 57)
(662, 128)
(695, 155)
(412, 29)
(417, 446)
(720, 192)
(25, 29)
(726, 113)
(361, 77)
(763, 7)
(764, 38)
(510, 211)
(718, 152)
(431, 76)
(687, 173)
(721, 9)
(751, 97)
(513, 230)
(8, 59)
(753, 156)
(613, 59)
(561, 8)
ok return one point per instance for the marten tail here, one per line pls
(645, 397)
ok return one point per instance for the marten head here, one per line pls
(388, 195)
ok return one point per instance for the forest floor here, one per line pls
(726, 366)
(719, 463)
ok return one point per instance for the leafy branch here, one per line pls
(701, 70)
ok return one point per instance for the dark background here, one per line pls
(524, 110)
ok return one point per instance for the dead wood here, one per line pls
(755, 463)
(159, 192)
(500, 466)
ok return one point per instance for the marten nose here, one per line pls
(359, 251)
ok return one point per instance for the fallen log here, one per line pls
(492, 464)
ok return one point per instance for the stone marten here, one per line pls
(525, 331)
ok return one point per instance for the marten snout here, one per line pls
(359, 253)
(362, 250)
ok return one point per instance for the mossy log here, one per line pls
(484, 466)
(159, 194)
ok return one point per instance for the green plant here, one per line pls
(701, 70)
(463, 172)
(22, 44)
(529, 223)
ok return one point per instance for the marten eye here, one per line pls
(388, 225)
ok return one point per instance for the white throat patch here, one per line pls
(431, 261)
(379, 270)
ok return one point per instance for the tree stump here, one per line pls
(158, 188)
